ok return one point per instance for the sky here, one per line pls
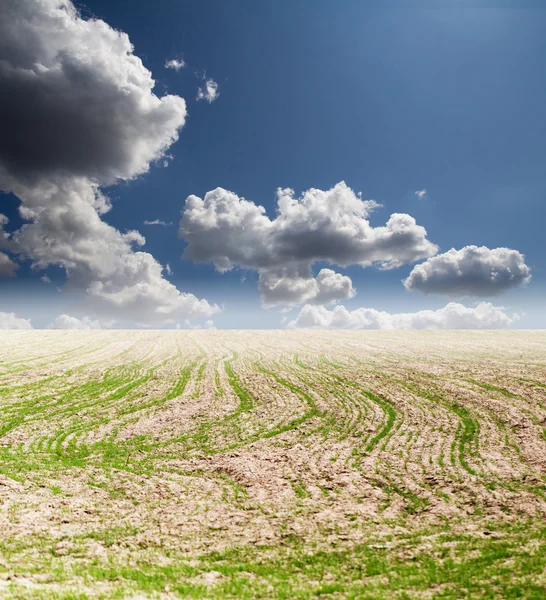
(184, 164)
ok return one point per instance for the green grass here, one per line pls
(440, 562)
(368, 461)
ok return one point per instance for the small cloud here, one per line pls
(158, 222)
(189, 325)
(67, 322)
(7, 266)
(209, 324)
(421, 193)
(243, 278)
(166, 160)
(175, 63)
(45, 279)
(168, 269)
(208, 92)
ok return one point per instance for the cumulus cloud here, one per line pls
(79, 113)
(331, 226)
(471, 271)
(158, 222)
(208, 91)
(289, 286)
(175, 63)
(7, 266)
(452, 316)
(88, 107)
(12, 321)
(68, 322)
(421, 193)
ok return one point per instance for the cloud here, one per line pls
(79, 113)
(452, 316)
(208, 324)
(158, 222)
(12, 321)
(7, 266)
(330, 226)
(208, 91)
(75, 99)
(327, 225)
(289, 286)
(175, 63)
(421, 193)
(471, 271)
(45, 279)
(68, 322)
(168, 269)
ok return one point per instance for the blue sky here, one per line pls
(390, 100)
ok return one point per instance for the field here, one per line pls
(243, 464)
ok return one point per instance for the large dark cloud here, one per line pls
(329, 225)
(75, 99)
(77, 112)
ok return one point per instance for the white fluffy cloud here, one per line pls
(208, 91)
(7, 266)
(289, 286)
(12, 321)
(471, 271)
(330, 226)
(175, 63)
(452, 316)
(327, 225)
(79, 113)
(68, 322)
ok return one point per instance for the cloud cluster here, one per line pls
(329, 225)
(12, 321)
(208, 91)
(471, 271)
(452, 316)
(67, 322)
(79, 113)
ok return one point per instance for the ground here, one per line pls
(272, 464)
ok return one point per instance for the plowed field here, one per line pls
(273, 464)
